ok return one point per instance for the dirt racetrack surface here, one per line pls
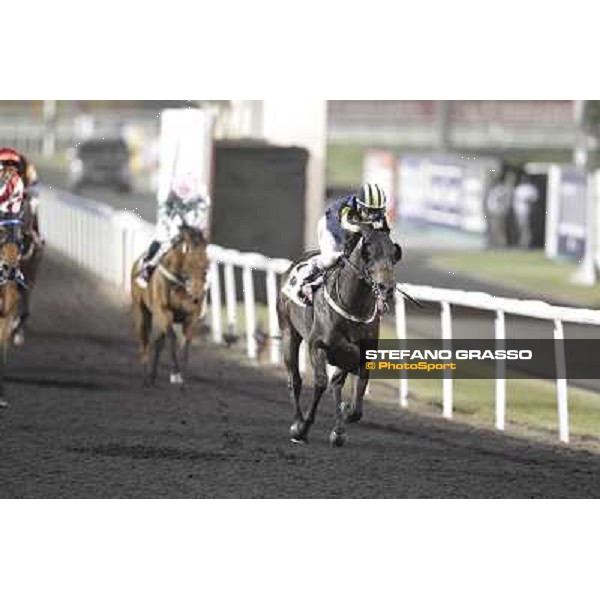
(80, 424)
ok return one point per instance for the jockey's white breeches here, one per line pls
(329, 249)
(166, 233)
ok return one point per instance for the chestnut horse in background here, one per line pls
(10, 294)
(175, 295)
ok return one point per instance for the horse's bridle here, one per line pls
(365, 275)
(177, 280)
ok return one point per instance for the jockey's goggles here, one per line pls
(371, 212)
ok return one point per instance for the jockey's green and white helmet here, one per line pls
(371, 197)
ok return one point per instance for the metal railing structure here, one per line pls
(106, 242)
(500, 307)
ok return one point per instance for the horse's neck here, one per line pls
(352, 290)
(173, 260)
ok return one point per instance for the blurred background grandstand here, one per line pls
(439, 161)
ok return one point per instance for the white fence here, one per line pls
(106, 242)
(534, 309)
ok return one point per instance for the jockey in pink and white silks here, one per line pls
(340, 225)
(184, 206)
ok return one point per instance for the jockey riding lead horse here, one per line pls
(356, 289)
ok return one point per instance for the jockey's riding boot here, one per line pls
(144, 276)
(147, 266)
(311, 281)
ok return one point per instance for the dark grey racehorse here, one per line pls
(346, 309)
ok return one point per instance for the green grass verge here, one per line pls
(530, 271)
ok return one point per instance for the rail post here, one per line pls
(500, 330)
(250, 311)
(447, 399)
(215, 302)
(273, 320)
(230, 298)
(401, 333)
(561, 382)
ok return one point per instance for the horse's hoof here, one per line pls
(353, 417)
(176, 378)
(298, 432)
(350, 414)
(298, 441)
(338, 438)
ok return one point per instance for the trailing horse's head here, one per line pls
(378, 255)
(193, 261)
(10, 246)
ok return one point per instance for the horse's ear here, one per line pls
(397, 253)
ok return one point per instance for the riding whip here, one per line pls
(408, 296)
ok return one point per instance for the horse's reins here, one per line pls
(173, 278)
(178, 281)
(336, 306)
(366, 275)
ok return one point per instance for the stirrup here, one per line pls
(307, 290)
(143, 277)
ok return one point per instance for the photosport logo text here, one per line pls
(481, 358)
(428, 360)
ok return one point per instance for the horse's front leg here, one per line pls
(291, 341)
(163, 319)
(188, 334)
(176, 376)
(355, 414)
(349, 354)
(5, 332)
(159, 344)
(338, 436)
(319, 363)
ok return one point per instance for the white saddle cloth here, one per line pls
(292, 287)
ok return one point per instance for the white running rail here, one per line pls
(106, 242)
